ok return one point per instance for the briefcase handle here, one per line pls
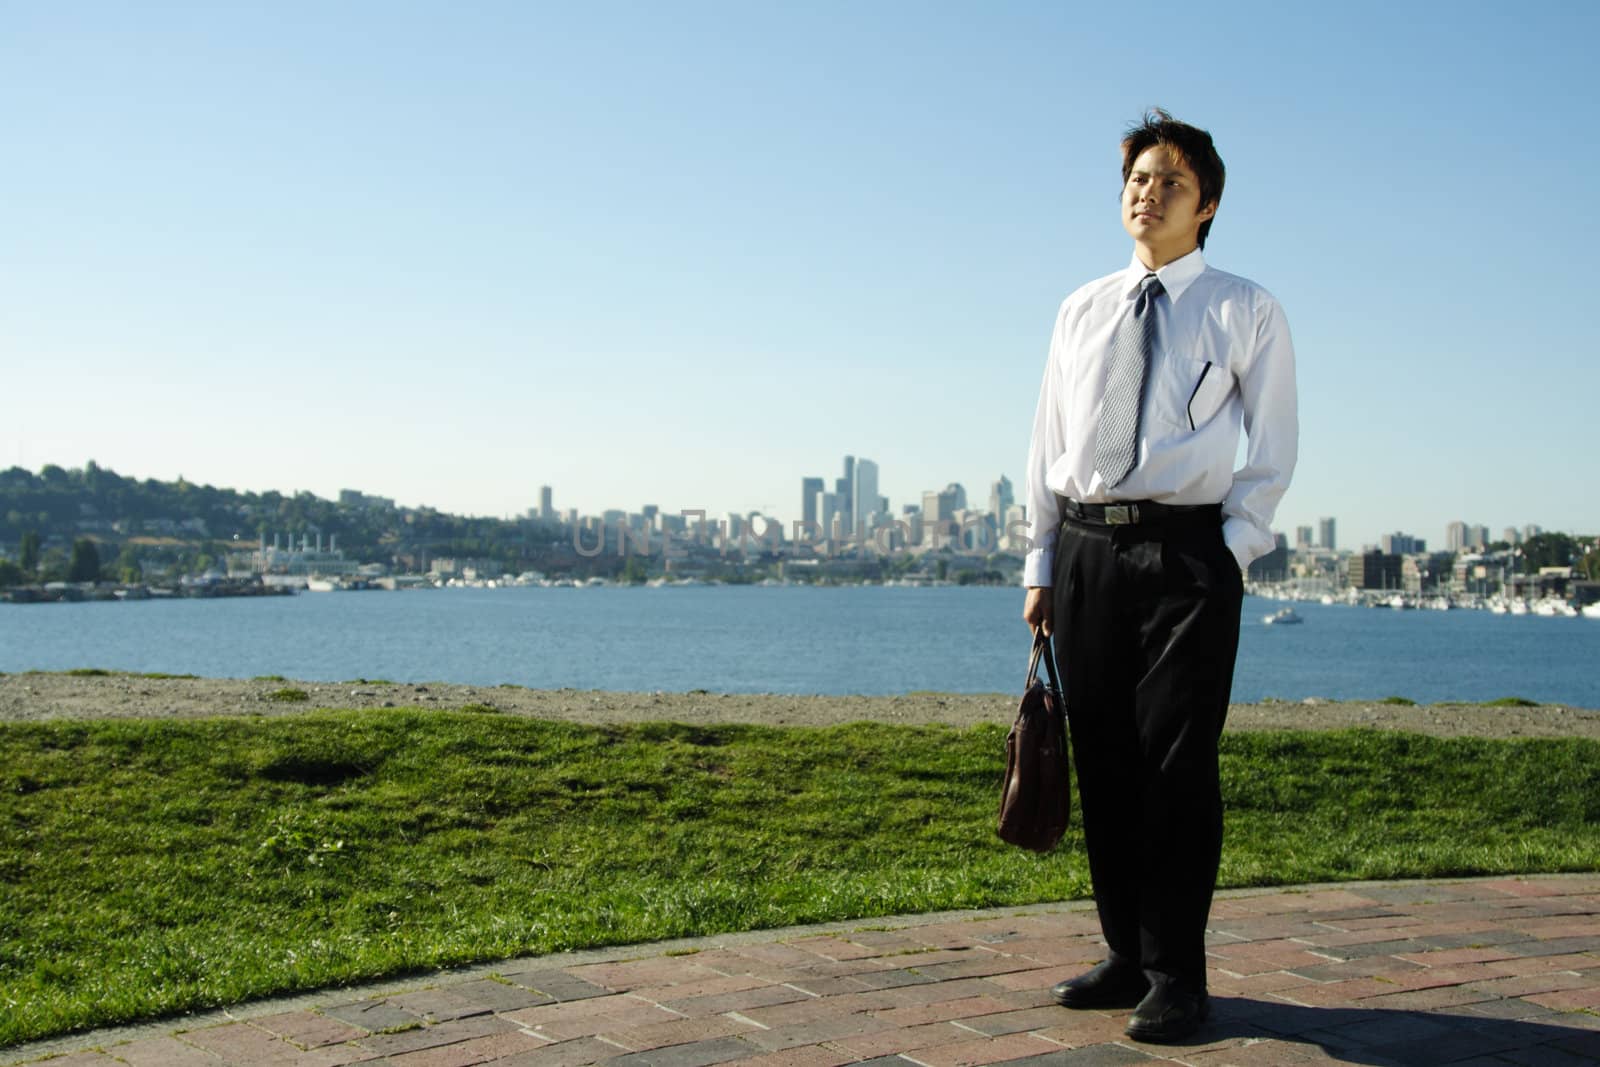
(1043, 649)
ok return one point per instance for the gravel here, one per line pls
(31, 697)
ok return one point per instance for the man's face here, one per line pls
(1161, 202)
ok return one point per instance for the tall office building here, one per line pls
(1401, 544)
(1478, 537)
(1455, 536)
(1001, 498)
(844, 492)
(942, 505)
(1325, 534)
(1302, 536)
(1511, 536)
(1530, 531)
(864, 488)
(546, 506)
(810, 490)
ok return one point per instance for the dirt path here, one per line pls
(26, 697)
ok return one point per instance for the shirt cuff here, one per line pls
(1245, 540)
(1038, 567)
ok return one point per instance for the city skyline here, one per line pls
(672, 256)
(543, 504)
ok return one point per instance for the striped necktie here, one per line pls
(1116, 449)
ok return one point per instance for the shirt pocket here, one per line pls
(1190, 390)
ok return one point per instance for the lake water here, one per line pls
(787, 639)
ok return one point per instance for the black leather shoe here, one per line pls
(1169, 1012)
(1112, 984)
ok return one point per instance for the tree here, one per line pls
(1548, 550)
(85, 565)
(127, 566)
(10, 574)
(28, 556)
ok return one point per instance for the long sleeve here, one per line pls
(1048, 442)
(1272, 425)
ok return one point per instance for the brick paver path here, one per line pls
(1474, 973)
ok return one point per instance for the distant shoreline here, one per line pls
(42, 696)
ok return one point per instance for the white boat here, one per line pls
(1592, 611)
(1282, 617)
(321, 585)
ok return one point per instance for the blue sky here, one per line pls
(687, 254)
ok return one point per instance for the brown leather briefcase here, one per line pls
(1036, 797)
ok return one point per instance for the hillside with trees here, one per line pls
(64, 525)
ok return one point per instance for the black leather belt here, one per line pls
(1136, 512)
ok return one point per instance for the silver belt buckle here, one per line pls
(1122, 514)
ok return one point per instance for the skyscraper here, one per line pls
(1455, 536)
(810, 490)
(1000, 498)
(1325, 534)
(546, 507)
(1302, 536)
(844, 492)
(827, 512)
(864, 488)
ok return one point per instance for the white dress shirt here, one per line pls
(1222, 354)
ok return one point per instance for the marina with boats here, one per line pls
(1498, 604)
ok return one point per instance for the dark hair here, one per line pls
(1190, 142)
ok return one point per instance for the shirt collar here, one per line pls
(1175, 276)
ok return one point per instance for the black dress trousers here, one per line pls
(1146, 623)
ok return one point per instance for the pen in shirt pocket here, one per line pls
(1189, 407)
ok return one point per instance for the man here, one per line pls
(1140, 529)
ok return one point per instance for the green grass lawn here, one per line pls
(151, 866)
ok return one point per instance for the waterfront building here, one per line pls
(1375, 570)
(285, 560)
